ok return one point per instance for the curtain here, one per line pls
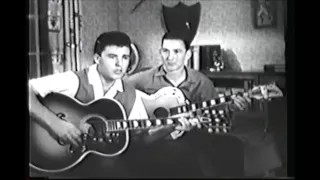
(64, 24)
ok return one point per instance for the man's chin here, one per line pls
(118, 76)
(171, 69)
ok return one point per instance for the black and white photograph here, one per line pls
(157, 89)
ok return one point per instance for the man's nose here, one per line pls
(119, 62)
(171, 55)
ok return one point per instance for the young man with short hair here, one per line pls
(196, 87)
(103, 79)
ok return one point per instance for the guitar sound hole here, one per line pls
(160, 112)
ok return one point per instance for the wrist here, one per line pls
(233, 107)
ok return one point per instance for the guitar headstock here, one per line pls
(267, 91)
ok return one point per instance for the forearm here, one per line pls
(39, 113)
(160, 134)
(147, 137)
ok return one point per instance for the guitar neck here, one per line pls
(138, 124)
(205, 104)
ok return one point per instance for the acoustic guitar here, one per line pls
(111, 127)
(110, 138)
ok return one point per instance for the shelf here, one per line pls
(240, 75)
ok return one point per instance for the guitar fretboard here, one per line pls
(122, 125)
(192, 108)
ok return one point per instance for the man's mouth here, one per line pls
(170, 62)
(118, 71)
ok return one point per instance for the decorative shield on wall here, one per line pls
(182, 17)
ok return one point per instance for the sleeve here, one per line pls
(136, 80)
(208, 91)
(66, 83)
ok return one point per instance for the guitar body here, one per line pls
(166, 98)
(50, 155)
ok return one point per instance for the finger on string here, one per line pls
(85, 128)
(239, 105)
(77, 136)
(71, 140)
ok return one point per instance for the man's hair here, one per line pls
(178, 35)
(116, 38)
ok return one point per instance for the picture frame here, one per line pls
(264, 13)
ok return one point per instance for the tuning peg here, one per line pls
(210, 130)
(221, 112)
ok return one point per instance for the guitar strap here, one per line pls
(85, 92)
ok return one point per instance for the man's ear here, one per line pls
(96, 58)
(187, 57)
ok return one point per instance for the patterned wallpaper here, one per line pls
(224, 22)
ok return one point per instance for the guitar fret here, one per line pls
(193, 107)
(204, 104)
(222, 99)
(114, 125)
(124, 125)
(179, 110)
(110, 126)
(148, 123)
(169, 121)
(184, 109)
(118, 125)
(213, 102)
(135, 124)
(158, 122)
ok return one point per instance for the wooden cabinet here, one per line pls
(227, 81)
(275, 111)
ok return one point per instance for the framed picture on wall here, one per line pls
(264, 13)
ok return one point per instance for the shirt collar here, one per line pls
(95, 81)
(160, 71)
(190, 80)
(118, 85)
